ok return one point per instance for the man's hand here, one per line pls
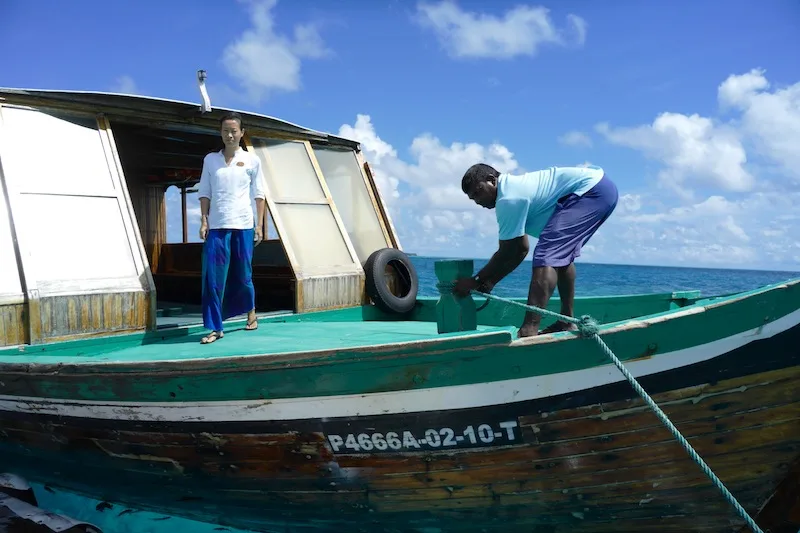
(464, 286)
(259, 235)
(203, 229)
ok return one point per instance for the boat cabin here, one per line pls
(85, 183)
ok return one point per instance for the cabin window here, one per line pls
(289, 162)
(302, 208)
(348, 189)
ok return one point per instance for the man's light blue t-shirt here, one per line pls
(525, 202)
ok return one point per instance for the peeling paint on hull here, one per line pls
(593, 460)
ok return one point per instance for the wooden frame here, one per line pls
(25, 263)
(60, 310)
(305, 282)
(377, 200)
(13, 307)
(126, 206)
(339, 223)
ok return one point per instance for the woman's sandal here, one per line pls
(251, 326)
(212, 337)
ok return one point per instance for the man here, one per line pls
(561, 206)
(230, 180)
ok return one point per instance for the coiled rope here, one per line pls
(589, 328)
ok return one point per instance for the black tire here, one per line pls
(377, 287)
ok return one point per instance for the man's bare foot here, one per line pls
(528, 330)
(559, 326)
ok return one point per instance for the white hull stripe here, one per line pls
(409, 401)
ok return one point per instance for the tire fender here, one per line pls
(376, 284)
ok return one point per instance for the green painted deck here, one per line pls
(178, 336)
(271, 337)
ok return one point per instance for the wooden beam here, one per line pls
(125, 203)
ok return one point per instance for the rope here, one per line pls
(588, 327)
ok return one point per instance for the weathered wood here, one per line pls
(13, 324)
(781, 513)
(87, 315)
(320, 293)
(622, 477)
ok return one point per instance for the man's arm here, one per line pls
(512, 214)
(508, 257)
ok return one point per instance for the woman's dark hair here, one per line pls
(477, 173)
(233, 115)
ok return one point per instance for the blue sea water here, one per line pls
(606, 280)
(593, 280)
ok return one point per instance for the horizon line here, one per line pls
(526, 260)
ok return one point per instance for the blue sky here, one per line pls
(694, 112)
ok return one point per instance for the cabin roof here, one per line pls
(128, 104)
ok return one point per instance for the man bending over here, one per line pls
(561, 206)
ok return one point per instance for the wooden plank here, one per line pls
(706, 407)
(781, 513)
(13, 324)
(332, 292)
(631, 449)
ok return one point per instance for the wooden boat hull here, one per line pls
(575, 451)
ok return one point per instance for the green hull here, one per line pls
(346, 419)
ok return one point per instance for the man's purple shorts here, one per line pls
(572, 224)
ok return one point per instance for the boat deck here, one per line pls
(276, 334)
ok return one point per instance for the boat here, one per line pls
(357, 404)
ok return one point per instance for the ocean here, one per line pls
(606, 280)
(593, 280)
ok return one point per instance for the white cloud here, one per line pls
(717, 231)
(738, 222)
(125, 85)
(718, 153)
(575, 138)
(263, 60)
(770, 120)
(734, 177)
(520, 31)
(693, 150)
(433, 215)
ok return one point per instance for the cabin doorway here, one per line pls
(162, 169)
